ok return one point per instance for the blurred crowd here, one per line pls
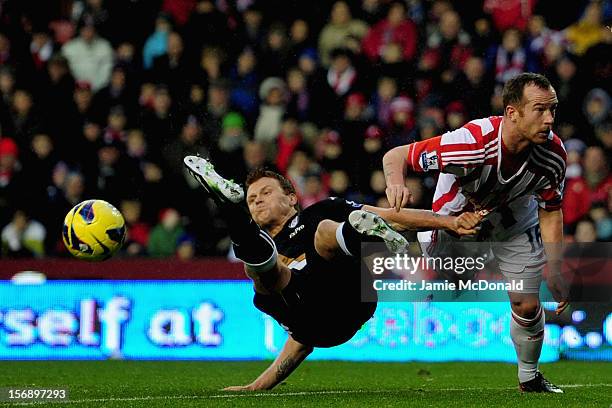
(103, 98)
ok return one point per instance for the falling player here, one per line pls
(510, 170)
(287, 254)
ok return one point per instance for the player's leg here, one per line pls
(332, 238)
(527, 333)
(251, 244)
(325, 241)
(522, 262)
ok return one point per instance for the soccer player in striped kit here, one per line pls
(510, 169)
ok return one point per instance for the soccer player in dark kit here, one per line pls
(305, 265)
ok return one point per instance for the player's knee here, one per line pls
(272, 280)
(325, 237)
(527, 308)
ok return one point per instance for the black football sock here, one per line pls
(251, 244)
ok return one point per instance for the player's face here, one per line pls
(536, 118)
(268, 203)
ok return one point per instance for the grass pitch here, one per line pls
(315, 384)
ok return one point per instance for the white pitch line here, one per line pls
(273, 394)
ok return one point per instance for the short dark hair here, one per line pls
(514, 88)
(262, 172)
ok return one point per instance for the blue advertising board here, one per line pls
(216, 320)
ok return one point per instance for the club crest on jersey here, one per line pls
(429, 160)
(294, 222)
(353, 204)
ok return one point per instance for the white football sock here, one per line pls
(528, 337)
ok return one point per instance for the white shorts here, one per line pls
(521, 257)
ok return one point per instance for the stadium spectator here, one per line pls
(119, 92)
(25, 120)
(594, 186)
(42, 159)
(23, 237)
(157, 43)
(137, 230)
(400, 129)
(11, 179)
(509, 13)
(96, 11)
(206, 26)
(273, 95)
(449, 46)
(158, 123)
(163, 240)
(115, 176)
(90, 56)
(179, 9)
(231, 145)
(341, 79)
(509, 58)
(208, 70)
(395, 28)
(172, 69)
(342, 30)
(300, 98)
(588, 30)
(274, 57)
(185, 249)
(68, 190)
(299, 39)
(244, 82)
(189, 141)
(314, 190)
(386, 90)
(251, 31)
(56, 94)
(473, 84)
(585, 231)
(217, 106)
(115, 129)
(41, 48)
(7, 88)
(254, 156)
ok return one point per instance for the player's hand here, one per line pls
(561, 306)
(559, 288)
(398, 196)
(248, 387)
(466, 223)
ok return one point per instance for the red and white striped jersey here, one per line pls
(470, 161)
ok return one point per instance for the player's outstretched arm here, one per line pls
(551, 227)
(394, 167)
(406, 219)
(292, 354)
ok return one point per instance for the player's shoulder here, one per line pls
(478, 133)
(485, 129)
(554, 144)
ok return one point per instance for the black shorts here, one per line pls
(321, 305)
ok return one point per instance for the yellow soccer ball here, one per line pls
(93, 230)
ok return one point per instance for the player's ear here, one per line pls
(511, 113)
(293, 199)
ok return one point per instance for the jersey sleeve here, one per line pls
(550, 198)
(334, 208)
(457, 152)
